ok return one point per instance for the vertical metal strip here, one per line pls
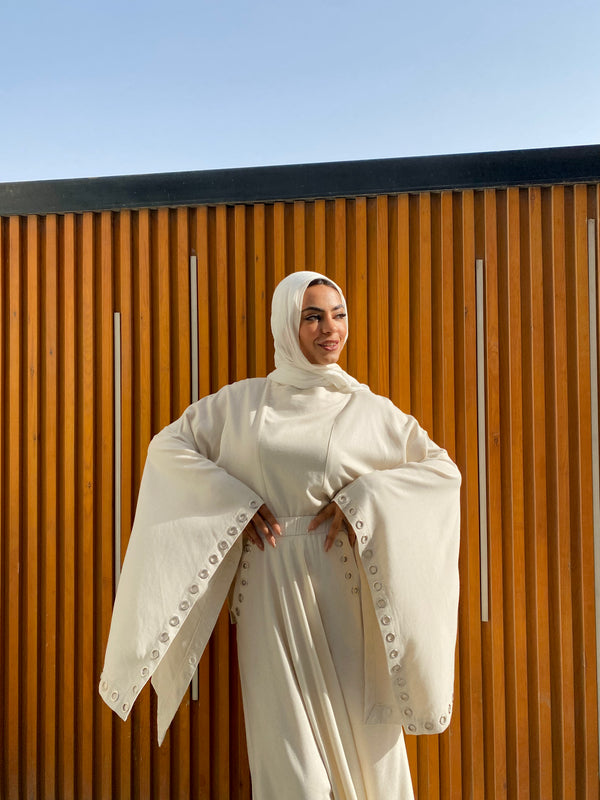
(595, 388)
(481, 440)
(194, 372)
(117, 443)
(194, 327)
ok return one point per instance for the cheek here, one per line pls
(304, 337)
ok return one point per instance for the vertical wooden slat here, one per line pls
(143, 731)
(103, 554)
(450, 742)
(162, 320)
(493, 641)
(219, 672)
(258, 306)
(200, 245)
(84, 579)
(427, 746)
(582, 509)
(49, 510)
(513, 502)
(378, 315)
(469, 639)
(357, 359)
(122, 746)
(535, 510)
(319, 239)
(31, 608)
(299, 244)
(201, 772)
(558, 508)
(4, 564)
(220, 321)
(68, 525)
(237, 281)
(16, 751)
(399, 293)
(180, 783)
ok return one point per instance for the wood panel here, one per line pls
(525, 723)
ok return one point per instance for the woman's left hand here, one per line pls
(338, 523)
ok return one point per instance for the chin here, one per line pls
(325, 360)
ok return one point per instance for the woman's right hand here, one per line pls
(263, 524)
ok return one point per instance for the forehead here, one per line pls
(321, 296)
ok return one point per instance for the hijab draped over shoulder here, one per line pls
(292, 368)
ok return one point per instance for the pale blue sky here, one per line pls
(113, 88)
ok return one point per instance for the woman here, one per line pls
(332, 521)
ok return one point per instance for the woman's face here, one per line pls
(323, 325)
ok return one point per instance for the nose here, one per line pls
(327, 324)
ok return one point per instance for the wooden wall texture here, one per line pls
(526, 722)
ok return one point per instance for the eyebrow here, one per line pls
(316, 308)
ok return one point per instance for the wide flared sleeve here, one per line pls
(406, 517)
(181, 558)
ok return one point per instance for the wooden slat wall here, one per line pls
(526, 723)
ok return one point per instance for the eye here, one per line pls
(312, 317)
(341, 315)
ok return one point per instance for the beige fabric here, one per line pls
(257, 441)
(300, 647)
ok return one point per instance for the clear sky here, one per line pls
(115, 87)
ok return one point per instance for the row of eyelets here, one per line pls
(184, 605)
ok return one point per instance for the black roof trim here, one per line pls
(556, 165)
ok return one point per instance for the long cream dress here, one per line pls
(339, 650)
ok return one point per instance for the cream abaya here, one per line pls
(338, 650)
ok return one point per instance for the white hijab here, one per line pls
(292, 368)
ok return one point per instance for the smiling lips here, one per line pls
(329, 345)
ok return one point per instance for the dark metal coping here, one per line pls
(556, 165)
